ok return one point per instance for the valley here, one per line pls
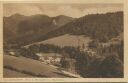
(64, 47)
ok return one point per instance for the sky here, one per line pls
(52, 10)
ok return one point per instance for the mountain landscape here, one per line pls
(109, 25)
(41, 27)
(30, 28)
(90, 46)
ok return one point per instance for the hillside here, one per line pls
(66, 40)
(36, 28)
(18, 27)
(102, 27)
(25, 67)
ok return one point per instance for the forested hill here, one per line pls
(20, 29)
(102, 27)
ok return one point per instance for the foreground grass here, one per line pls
(30, 67)
(24, 72)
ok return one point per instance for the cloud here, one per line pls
(73, 10)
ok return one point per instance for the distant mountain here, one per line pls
(101, 27)
(10, 25)
(26, 29)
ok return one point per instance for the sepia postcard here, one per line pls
(64, 41)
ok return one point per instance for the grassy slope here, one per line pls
(10, 74)
(66, 40)
(30, 65)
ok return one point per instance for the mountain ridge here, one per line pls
(17, 26)
(93, 25)
(109, 24)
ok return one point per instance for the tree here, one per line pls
(28, 53)
(64, 63)
(111, 66)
